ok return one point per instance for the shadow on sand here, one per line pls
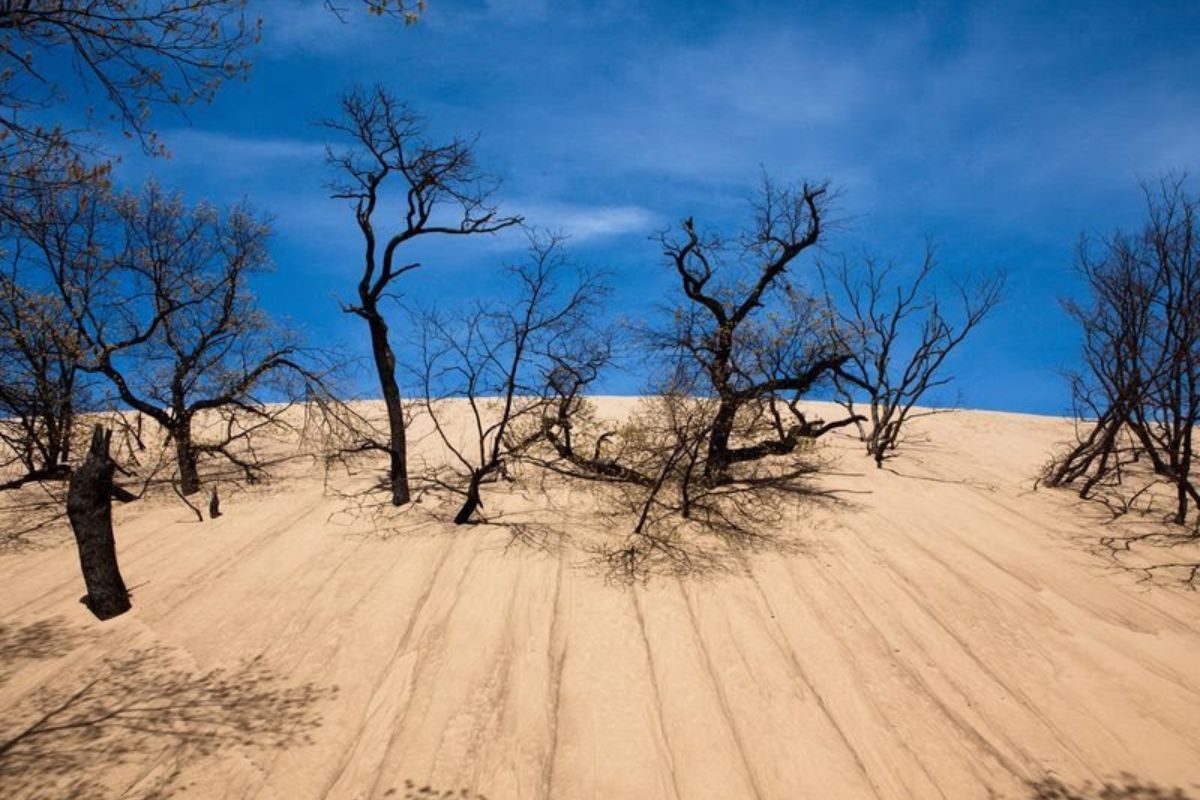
(131, 724)
(1123, 787)
(37, 641)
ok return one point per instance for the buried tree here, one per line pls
(506, 360)
(157, 295)
(756, 342)
(439, 190)
(898, 337)
(89, 508)
(1139, 378)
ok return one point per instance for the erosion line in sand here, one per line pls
(556, 664)
(658, 704)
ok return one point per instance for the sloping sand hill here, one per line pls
(943, 631)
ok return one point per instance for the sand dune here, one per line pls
(942, 632)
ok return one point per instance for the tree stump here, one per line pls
(89, 508)
(214, 505)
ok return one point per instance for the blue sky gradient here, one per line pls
(1002, 131)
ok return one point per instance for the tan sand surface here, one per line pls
(943, 631)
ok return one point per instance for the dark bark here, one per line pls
(717, 462)
(471, 504)
(387, 144)
(385, 368)
(89, 508)
(185, 457)
(214, 505)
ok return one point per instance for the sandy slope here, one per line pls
(930, 637)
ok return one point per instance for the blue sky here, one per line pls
(1000, 130)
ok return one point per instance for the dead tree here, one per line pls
(440, 190)
(757, 341)
(722, 440)
(1139, 382)
(158, 295)
(502, 359)
(40, 382)
(898, 338)
(89, 508)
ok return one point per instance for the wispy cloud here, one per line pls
(588, 223)
(231, 151)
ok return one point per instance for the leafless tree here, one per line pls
(440, 190)
(898, 338)
(158, 295)
(503, 359)
(649, 471)
(1139, 383)
(757, 341)
(89, 507)
(40, 383)
(722, 435)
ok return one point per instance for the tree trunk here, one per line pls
(717, 462)
(385, 367)
(470, 505)
(185, 457)
(214, 505)
(89, 508)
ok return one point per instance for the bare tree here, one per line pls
(158, 295)
(503, 359)
(138, 54)
(722, 436)
(40, 382)
(89, 507)
(759, 343)
(898, 338)
(1139, 384)
(441, 191)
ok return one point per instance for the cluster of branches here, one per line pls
(502, 360)
(383, 148)
(409, 11)
(742, 348)
(724, 428)
(898, 337)
(137, 54)
(41, 383)
(149, 297)
(1139, 385)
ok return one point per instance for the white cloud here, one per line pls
(589, 223)
(229, 151)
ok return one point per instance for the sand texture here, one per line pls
(941, 631)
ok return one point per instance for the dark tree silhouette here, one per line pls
(440, 191)
(757, 341)
(721, 442)
(158, 295)
(1139, 384)
(89, 508)
(898, 338)
(39, 380)
(503, 359)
